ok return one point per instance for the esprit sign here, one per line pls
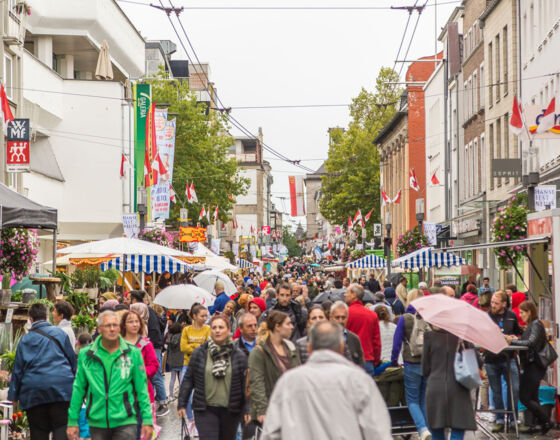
(17, 146)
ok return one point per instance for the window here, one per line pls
(491, 133)
(498, 139)
(482, 163)
(506, 141)
(476, 88)
(465, 100)
(476, 167)
(497, 75)
(532, 29)
(482, 88)
(9, 75)
(490, 73)
(505, 58)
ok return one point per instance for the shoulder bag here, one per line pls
(547, 355)
(466, 367)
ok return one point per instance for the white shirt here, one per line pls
(66, 326)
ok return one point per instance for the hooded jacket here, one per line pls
(391, 298)
(115, 385)
(516, 299)
(471, 298)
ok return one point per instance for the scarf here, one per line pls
(221, 357)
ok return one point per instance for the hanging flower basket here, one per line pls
(18, 251)
(22, 8)
(510, 224)
(157, 236)
(411, 241)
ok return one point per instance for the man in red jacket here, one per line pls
(365, 324)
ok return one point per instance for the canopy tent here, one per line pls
(146, 264)
(76, 259)
(370, 261)
(123, 246)
(213, 261)
(17, 211)
(428, 257)
(244, 264)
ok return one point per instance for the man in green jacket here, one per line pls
(112, 378)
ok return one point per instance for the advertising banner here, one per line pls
(142, 97)
(191, 234)
(430, 231)
(165, 137)
(17, 144)
(545, 197)
(297, 203)
(130, 225)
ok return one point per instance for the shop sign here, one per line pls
(464, 226)
(17, 144)
(545, 197)
(506, 168)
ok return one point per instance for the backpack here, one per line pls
(416, 340)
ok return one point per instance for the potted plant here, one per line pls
(18, 251)
(4, 384)
(83, 323)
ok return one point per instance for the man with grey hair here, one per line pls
(352, 345)
(112, 376)
(221, 298)
(365, 323)
(327, 398)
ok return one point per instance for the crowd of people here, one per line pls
(289, 355)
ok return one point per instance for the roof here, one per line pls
(385, 131)
(488, 10)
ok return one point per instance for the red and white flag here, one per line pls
(159, 165)
(193, 194)
(385, 197)
(202, 213)
(252, 229)
(172, 194)
(349, 223)
(413, 181)
(216, 213)
(362, 223)
(358, 216)
(516, 120)
(234, 223)
(547, 119)
(368, 215)
(297, 204)
(434, 180)
(208, 215)
(188, 193)
(125, 166)
(5, 109)
(397, 198)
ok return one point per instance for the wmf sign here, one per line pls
(17, 146)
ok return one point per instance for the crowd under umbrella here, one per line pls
(183, 296)
(208, 278)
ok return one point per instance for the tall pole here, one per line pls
(445, 138)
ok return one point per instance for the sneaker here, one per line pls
(163, 410)
(426, 435)
(498, 427)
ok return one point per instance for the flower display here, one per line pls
(510, 223)
(157, 236)
(18, 251)
(411, 241)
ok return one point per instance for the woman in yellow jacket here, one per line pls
(193, 336)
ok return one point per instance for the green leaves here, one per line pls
(509, 224)
(411, 241)
(352, 179)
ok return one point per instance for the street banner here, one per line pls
(253, 251)
(142, 99)
(235, 249)
(545, 197)
(430, 231)
(165, 137)
(296, 196)
(130, 225)
(265, 230)
(215, 245)
(17, 144)
(318, 254)
(535, 114)
(192, 234)
(150, 153)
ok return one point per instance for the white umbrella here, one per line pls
(183, 296)
(208, 278)
(122, 246)
(104, 69)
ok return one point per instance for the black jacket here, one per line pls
(155, 333)
(533, 337)
(194, 379)
(373, 285)
(510, 326)
(297, 314)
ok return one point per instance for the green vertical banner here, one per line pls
(142, 99)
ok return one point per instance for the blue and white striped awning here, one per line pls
(147, 264)
(428, 257)
(244, 264)
(370, 261)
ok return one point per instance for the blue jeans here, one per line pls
(190, 414)
(415, 392)
(495, 373)
(158, 383)
(370, 368)
(455, 434)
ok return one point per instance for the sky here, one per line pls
(294, 57)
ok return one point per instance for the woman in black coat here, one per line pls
(448, 403)
(533, 337)
(217, 373)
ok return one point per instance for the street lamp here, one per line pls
(142, 205)
(388, 242)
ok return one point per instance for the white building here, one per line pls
(540, 64)
(80, 126)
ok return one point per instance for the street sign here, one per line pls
(377, 230)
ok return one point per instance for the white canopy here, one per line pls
(213, 261)
(121, 246)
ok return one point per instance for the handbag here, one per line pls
(547, 355)
(466, 367)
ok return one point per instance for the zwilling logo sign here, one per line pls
(17, 146)
(18, 130)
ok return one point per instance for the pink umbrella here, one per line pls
(461, 319)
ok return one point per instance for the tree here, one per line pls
(201, 151)
(289, 240)
(352, 168)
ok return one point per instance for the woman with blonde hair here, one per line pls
(273, 355)
(414, 383)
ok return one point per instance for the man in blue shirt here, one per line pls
(221, 298)
(486, 287)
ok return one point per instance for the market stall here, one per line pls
(366, 265)
(427, 258)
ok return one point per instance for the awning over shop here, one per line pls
(244, 264)
(370, 261)
(147, 264)
(17, 211)
(428, 257)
